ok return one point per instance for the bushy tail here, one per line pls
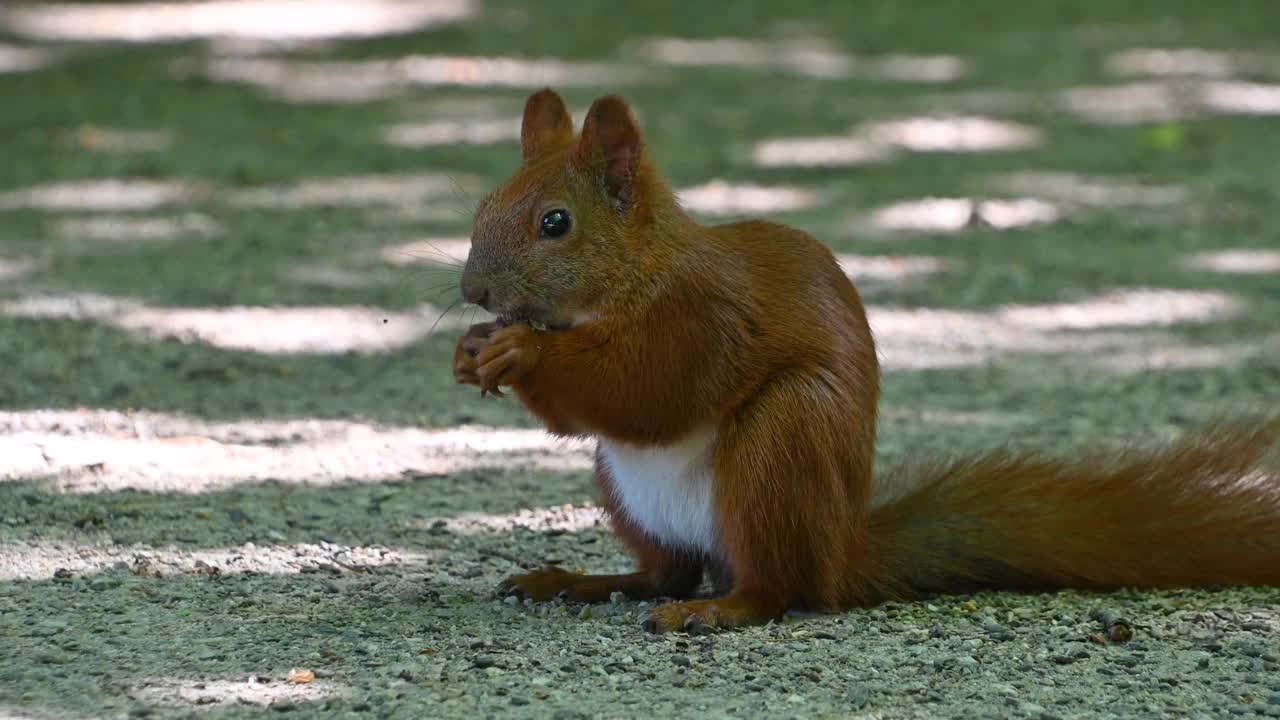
(1204, 510)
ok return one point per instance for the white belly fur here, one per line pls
(666, 490)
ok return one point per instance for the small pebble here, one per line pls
(484, 661)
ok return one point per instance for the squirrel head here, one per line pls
(549, 244)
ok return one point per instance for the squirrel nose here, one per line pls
(475, 290)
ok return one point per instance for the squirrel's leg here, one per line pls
(662, 572)
(791, 523)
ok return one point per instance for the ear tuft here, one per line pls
(546, 123)
(611, 136)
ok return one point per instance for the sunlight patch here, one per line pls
(406, 191)
(268, 330)
(1173, 357)
(262, 19)
(81, 306)
(29, 560)
(1091, 190)
(15, 59)
(208, 694)
(328, 276)
(945, 215)
(960, 134)
(453, 132)
(288, 330)
(451, 251)
(1191, 62)
(953, 417)
(97, 451)
(110, 228)
(354, 191)
(1127, 308)
(722, 198)
(808, 55)
(913, 68)
(352, 81)
(876, 142)
(451, 211)
(924, 338)
(888, 268)
(1130, 104)
(1139, 103)
(564, 518)
(14, 268)
(1241, 98)
(109, 194)
(831, 151)
(1241, 261)
(460, 131)
(932, 338)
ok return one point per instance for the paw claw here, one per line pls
(651, 626)
(694, 625)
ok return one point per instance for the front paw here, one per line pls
(541, 585)
(689, 617)
(509, 354)
(467, 349)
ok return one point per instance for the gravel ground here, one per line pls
(223, 604)
(145, 631)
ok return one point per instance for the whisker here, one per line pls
(435, 276)
(437, 256)
(432, 331)
(464, 197)
(435, 285)
(434, 296)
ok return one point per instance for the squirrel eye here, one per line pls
(555, 223)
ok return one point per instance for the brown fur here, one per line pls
(660, 326)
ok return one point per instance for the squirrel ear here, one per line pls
(610, 136)
(546, 123)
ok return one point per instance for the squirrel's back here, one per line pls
(796, 286)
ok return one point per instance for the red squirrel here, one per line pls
(730, 379)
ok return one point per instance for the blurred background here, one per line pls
(230, 231)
